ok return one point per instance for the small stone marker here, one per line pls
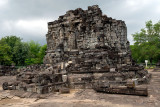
(146, 61)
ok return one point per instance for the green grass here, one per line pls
(150, 67)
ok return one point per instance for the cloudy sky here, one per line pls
(28, 18)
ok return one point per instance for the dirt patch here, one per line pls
(9, 101)
(78, 103)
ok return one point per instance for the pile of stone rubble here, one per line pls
(157, 68)
(7, 70)
(85, 49)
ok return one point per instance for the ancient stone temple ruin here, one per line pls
(85, 49)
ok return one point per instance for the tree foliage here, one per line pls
(20, 52)
(14, 51)
(36, 53)
(147, 43)
(5, 54)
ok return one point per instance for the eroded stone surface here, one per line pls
(7, 70)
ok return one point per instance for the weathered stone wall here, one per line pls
(78, 31)
(81, 29)
(33, 68)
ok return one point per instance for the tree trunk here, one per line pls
(151, 60)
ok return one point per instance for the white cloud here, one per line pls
(7, 25)
(157, 8)
(135, 5)
(38, 26)
(26, 29)
(3, 3)
(34, 26)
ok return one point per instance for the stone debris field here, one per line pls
(80, 98)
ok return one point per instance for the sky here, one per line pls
(28, 19)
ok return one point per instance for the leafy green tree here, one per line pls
(135, 53)
(5, 54)
(14, 51)
(20, 52)
(10, 41)
(19, 49)
(147, 43)
(36, 53)
(42, 53)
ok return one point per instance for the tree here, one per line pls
(20, 52)
(10, 41)
(14, 51)
(147, 43)
(42, 53)
(5, 54)
(36, 53)
(18, 49)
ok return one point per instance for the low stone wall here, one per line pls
(31, 68)
(7, 70)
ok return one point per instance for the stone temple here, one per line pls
(85, 49)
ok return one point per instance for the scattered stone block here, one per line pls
(64, 90)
